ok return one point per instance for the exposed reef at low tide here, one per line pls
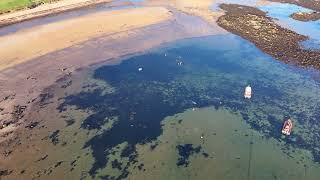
(304, 16)
(254, 25)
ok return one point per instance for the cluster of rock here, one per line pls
(304, 16)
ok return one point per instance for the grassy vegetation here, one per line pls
(13, 5)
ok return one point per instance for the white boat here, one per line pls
(287, 127)
(247, 92)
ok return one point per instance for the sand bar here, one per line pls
(34, 42)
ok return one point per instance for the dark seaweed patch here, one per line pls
(73, 163)
(54, 137)
(140, 166)
(92, 123)
(18, 112)
(153, 146)
(67, 84)
(70, 122)
(205, 154)
(44, 97)
(58, 164)
(142, 99)
(32, 125)
(43, 157)
(116, 164)
(5, 172)
(185, 151)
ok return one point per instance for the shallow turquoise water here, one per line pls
(198, 73)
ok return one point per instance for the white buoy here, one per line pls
(140, 69)
(248, 92)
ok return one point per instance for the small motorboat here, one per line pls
(287, 127)
(248, 92)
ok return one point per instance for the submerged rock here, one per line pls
(304, 16)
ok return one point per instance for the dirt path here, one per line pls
(46, 9)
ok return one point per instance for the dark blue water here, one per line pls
(197, 73)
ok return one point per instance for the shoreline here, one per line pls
(253, 24)
(47, 10)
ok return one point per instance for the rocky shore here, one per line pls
(254, 25)
(302, 16)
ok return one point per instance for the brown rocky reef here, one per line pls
(303, 16)
(253, 25)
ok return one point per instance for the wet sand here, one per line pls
(192, 7)
(25, 45)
